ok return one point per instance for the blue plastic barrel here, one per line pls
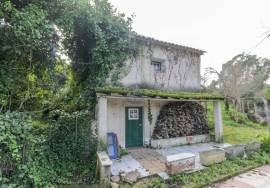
(112, 145)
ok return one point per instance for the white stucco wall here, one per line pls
(116, 116)
(182, 70)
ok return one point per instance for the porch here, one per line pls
(149, 162)
(125, 112)
(131, 117)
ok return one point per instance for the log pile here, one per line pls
(180, 119)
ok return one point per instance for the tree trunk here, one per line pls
(227, 104)
(238, 104)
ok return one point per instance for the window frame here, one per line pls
(131, 114)
(154, 65)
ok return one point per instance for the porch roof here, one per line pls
(153, 93)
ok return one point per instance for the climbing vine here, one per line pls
(179, 64)
(149, 113)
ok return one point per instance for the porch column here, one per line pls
(218, 122)
(102, 118)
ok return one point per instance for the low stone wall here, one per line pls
(230, 152)
(163, 143)
(234, 151)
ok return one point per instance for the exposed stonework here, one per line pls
(130, 177)
(252, 147)
(234, 151)
(179, 119)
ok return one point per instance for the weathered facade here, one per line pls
(164, 66)
(161, 66)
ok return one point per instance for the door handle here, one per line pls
(140, 124)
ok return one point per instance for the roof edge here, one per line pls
(169, 44)
(154, 93)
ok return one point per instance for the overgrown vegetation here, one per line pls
(265, 143)
(46, 104)
(237, 127)
(157, 93)
(266, 93)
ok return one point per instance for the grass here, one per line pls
(237, 135)
(237, 130)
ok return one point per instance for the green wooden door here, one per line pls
(134, 127)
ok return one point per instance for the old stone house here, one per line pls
(163, 78)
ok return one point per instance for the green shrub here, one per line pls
(64, 153)
(71, 147)
(238, 117)
(123, 152)
(21, 153)
(261, 158)
(265, 143)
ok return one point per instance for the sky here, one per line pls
(223, 28)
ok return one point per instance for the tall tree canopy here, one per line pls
(98, 40)
(50, 141)
(96, 37)
(27, 41)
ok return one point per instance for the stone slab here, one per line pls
(104, 159)
(130, 177)
(212, 156)
(252, 147)
(179, 156)
(127, 164)
(163, 175)
(234, 151)
(180, 162)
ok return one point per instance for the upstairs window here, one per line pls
(156, 66)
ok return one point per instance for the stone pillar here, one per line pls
(218, 122)
(102, 118)
(104, 168)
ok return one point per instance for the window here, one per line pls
(133, 113)
(156, 66)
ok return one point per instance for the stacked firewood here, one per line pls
(180, 119)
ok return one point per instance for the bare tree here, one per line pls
(242, 76)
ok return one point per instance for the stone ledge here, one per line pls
(104, 168)
(104, 159)
(212, 156)
(164, 143)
